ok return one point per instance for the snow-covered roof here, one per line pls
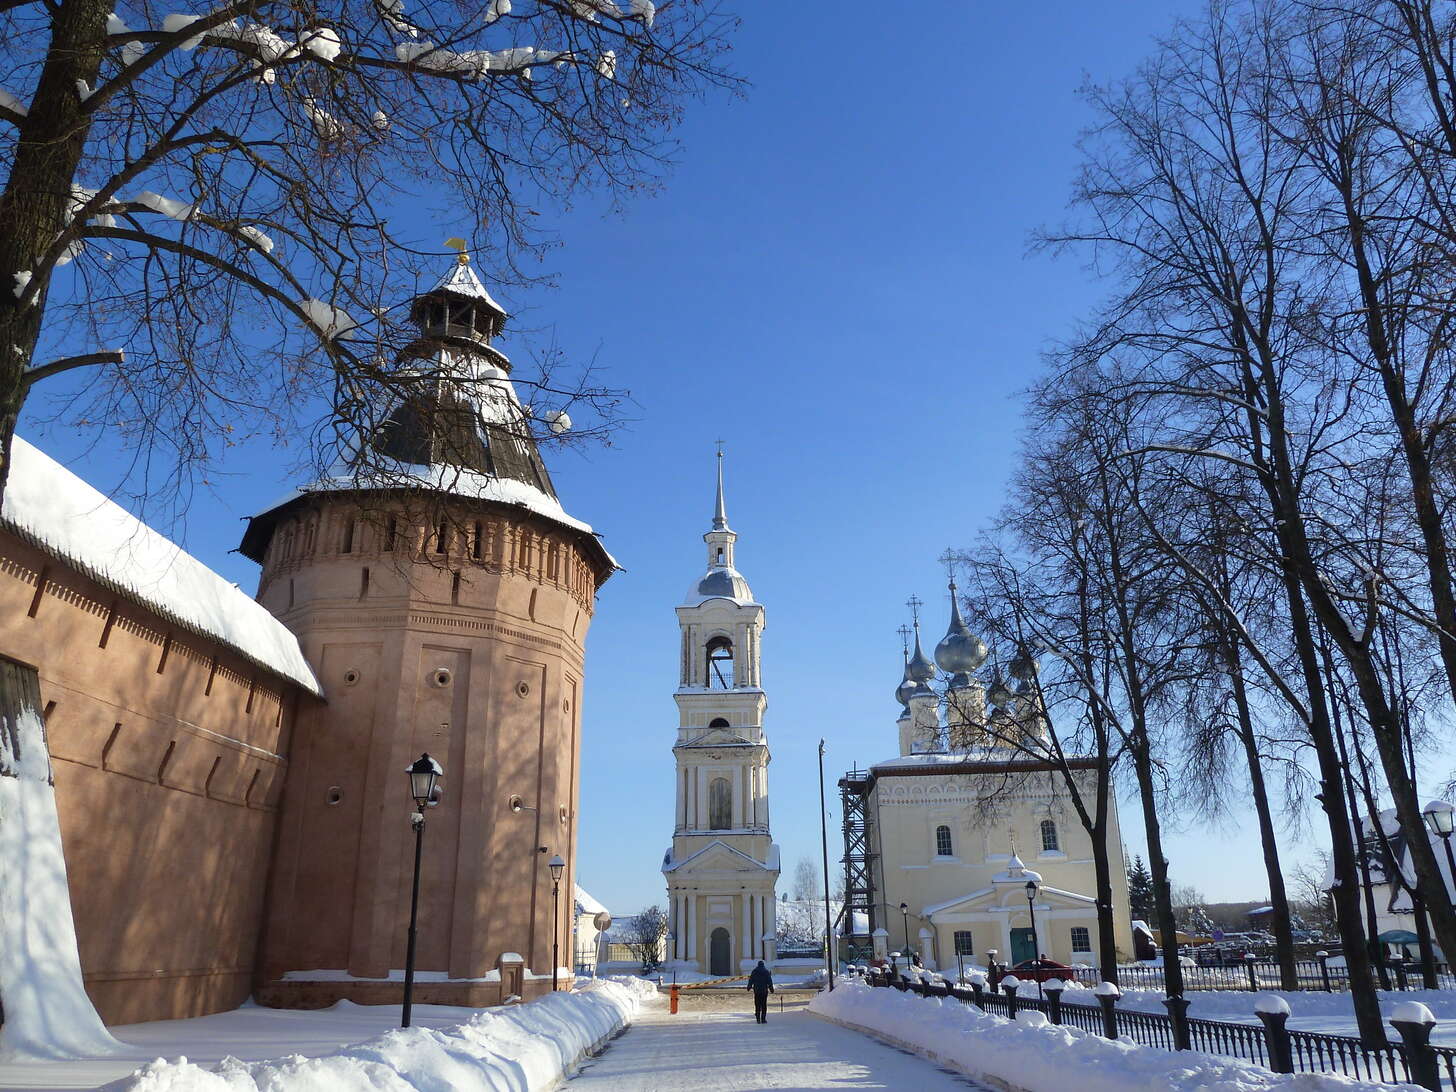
(588, 904)
(461, 280)
(64, 516)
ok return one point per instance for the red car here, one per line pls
(1040, 970)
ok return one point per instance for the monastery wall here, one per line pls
(167, 750)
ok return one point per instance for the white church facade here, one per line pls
(722, 866)
(946, 837)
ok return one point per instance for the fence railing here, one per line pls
(1310, 974)
(1273, 1045)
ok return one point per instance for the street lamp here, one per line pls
(1441, 818)
(557, 867)
(424, 772)
(905, 921)
(1035, 945)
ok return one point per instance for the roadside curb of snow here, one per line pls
(988, 1079)
(1032, 1055)
(530, 1047)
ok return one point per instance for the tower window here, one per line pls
(475, 542)
(943, 847)
(720, 663)
(720, 804)
(718, 722)
(1049, 841)
(347, 546)
(442, 538)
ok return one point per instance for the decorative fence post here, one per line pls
(1054, 988)
(1249, 961)
(1009, 985)
(1107, 995)
(1274, 1011)
(1324, 958)
(1414, 1022)
(1178, 1017)
(978, 985)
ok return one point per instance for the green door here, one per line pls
(1023, 945)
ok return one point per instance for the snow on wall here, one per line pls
(48, 505)
(1032, 1055)
(521, 1048)
(47, 1012)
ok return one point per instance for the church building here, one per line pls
(723, 865)
(964, 844)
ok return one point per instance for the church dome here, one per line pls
(920, 669)
(906, 690)
(960, 651)
(721, 583)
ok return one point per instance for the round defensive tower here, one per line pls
(442, 597)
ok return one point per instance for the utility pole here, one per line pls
(824, 841)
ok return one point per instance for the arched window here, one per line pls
(720, 663)
(720, 804)
(718, 722)
(943, 847)
(1049, 843)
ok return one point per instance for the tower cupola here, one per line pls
(960, 651)
(722, 580)
(458, 306)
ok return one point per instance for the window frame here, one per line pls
(1087, 935)
(970, 942)
(1056, 836)
(944, 847)
(720, 801)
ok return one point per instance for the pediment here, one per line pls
(718, 857)
(719, 737)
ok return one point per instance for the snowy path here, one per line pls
(723, 1051)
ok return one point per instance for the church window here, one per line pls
(718, 722)
(1081, 939)
(347, 546)
(475, 541)
(720, 804)
(963, 945)
(943, 847)
(1049, 841)
(720, 663)
(442, 539)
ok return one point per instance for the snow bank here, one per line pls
(47, 1012)
(51, 507)
(1032, 1055)
(517, 1048)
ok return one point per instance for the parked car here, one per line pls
(1216, 956)
(1041, 970)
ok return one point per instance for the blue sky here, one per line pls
(836, 283)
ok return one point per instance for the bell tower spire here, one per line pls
(721, 538)
(720, 513)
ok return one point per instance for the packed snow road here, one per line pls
(718, 1051)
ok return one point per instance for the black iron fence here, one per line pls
(1310, 974)
(1273, 1045)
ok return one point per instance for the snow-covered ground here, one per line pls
(351, 1046)
(1032, 1055)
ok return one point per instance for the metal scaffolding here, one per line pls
(858, 859)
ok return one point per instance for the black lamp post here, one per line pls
(1035, 944)
(557, 867)
(423, 773)
(1441, 818)
(905, 922)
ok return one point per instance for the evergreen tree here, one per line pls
(1140, 890)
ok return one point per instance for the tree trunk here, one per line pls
(1162, 890)
(1268, 837)
(37, 195)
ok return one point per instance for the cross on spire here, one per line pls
(915, 603)
(904, 632)
(720, 511)
(948, 559)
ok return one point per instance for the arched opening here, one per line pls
(720, 804)
(720, 952)
(1049, 840)
(943, 846)
(718, 722)
(720, 663)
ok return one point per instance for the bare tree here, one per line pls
(806, 880)
(644, 934)
(198, 212)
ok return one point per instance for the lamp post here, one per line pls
(557, 867)
(1441, 818)
(424, 772)
(830, 952)
(905, 922)
(1035, 944)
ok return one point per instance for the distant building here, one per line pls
(957, 825)
(1395, 924)
(722, 866)
(590, 923)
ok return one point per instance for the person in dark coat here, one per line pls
(760, 981)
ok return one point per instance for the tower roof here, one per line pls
(453, 424)
(722, 580)
(720, 511)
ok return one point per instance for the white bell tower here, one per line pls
(723, 865)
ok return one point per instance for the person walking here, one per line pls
(760, 981)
